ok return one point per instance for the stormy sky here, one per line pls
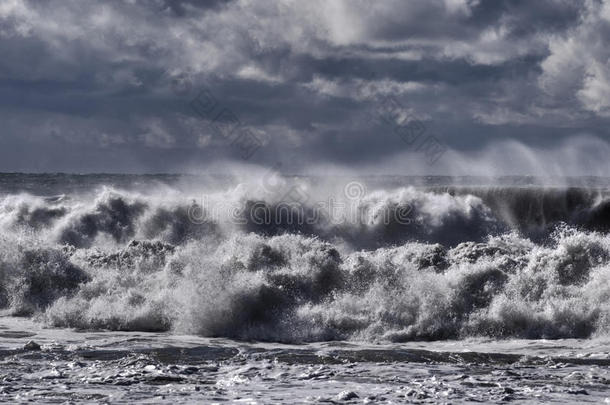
(417, 86)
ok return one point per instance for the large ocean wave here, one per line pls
(397, 264)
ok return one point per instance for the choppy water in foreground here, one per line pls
(384, 289)
(143, 367)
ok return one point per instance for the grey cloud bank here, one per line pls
(509, 86)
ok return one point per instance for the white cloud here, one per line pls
(595, 94)
(579, 61)
(155, 134)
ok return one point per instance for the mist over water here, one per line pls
(575, 156)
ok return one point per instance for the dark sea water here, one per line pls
(301, 289)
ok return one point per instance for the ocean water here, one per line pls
(300, 289)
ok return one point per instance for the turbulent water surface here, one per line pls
(303, 289)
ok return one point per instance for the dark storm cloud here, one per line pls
(86, 85)
(181, 8)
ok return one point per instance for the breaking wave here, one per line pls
(401, 264)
